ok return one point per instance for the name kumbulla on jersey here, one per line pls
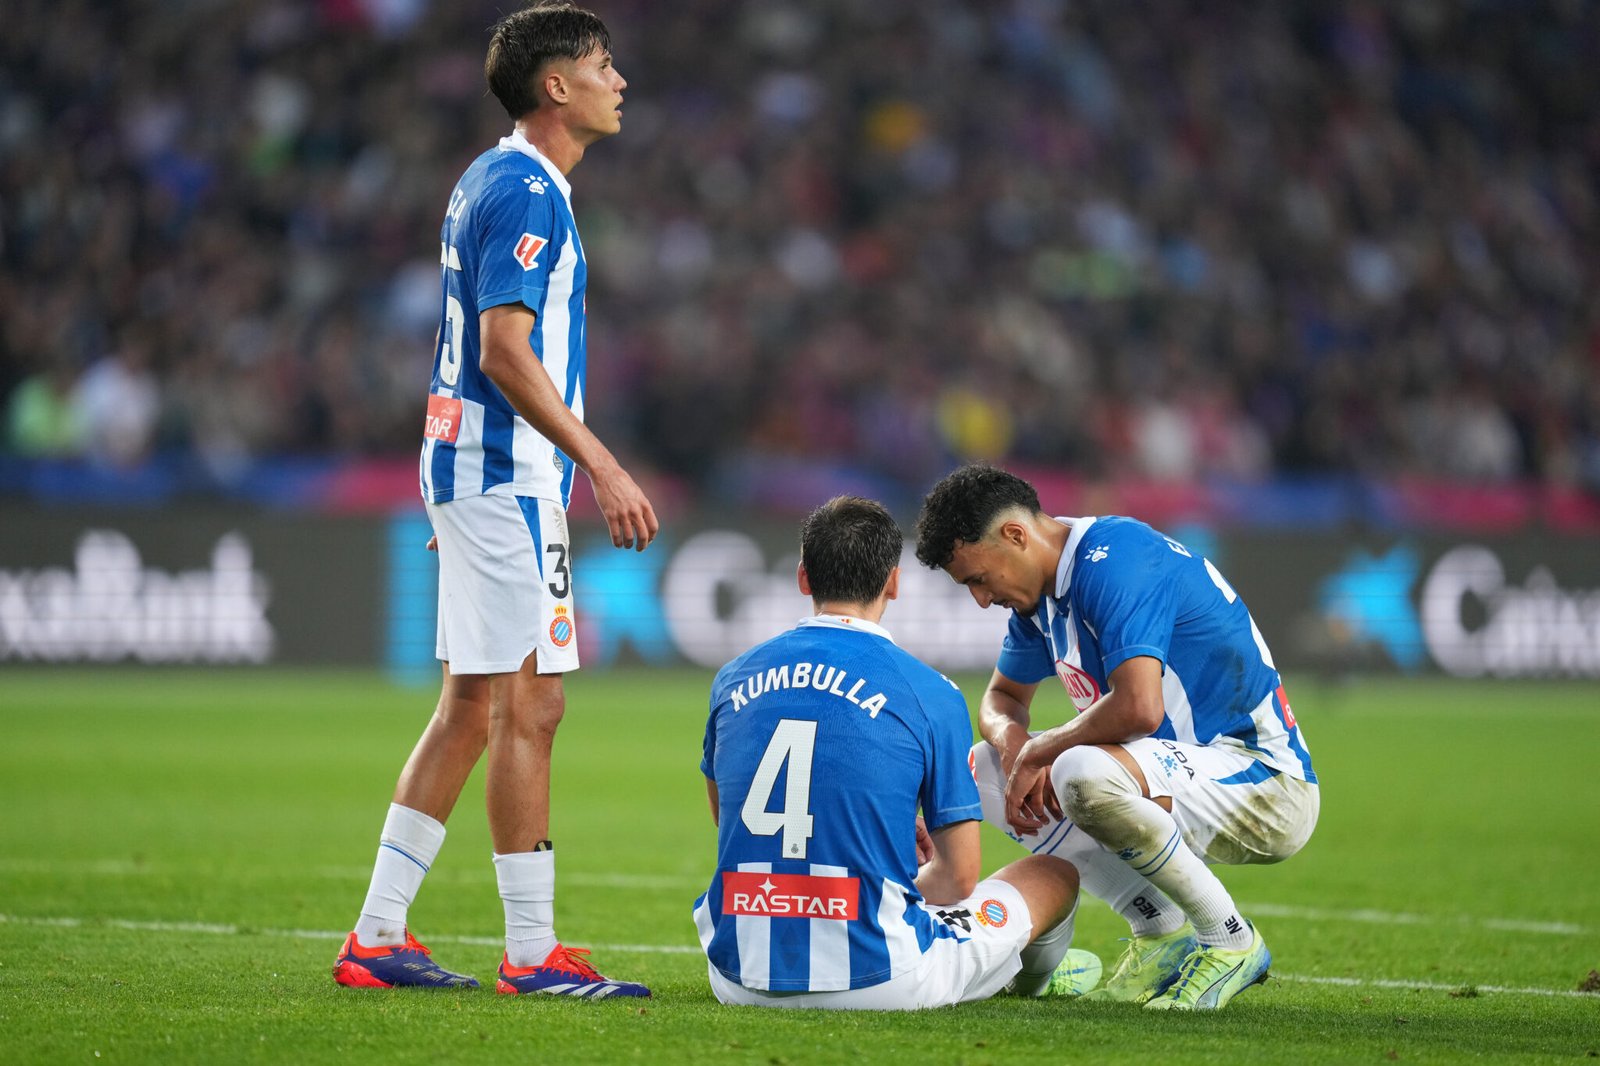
(820, 676)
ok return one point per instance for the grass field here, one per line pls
(180, 854)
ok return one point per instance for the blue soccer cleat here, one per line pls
(564, 972)
(407, 965)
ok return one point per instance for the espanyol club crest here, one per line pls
(561, 628)
(993, 913)
(1079, 685)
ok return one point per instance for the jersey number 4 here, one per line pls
(793, 742)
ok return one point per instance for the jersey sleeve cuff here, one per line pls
(973, 813)
(1021, 670)
(1133, 651)
(500, 299)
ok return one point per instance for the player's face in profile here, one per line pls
(596, 95)
(993, 571)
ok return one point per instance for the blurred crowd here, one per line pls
(1197, 239)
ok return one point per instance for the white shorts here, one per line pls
(1230, 808)
(505, 585)
(951, 971)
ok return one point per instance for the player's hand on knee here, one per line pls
(1030, 799)
(1021, 811)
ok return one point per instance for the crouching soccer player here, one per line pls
(1184, 750)
(821, 745)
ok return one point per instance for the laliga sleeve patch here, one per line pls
(528, 249)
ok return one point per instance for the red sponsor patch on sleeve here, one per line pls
(791, 895)
(528, 249)
(444, 418)
(1283, 701)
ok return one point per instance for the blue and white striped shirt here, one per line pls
(508, 237)
(823, 742)
(1123, 589)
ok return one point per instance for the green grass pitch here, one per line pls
(180, 853)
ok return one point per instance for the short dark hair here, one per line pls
(848, 546)
(524, 41)
(962, 507)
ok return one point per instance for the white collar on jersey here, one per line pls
(1080, 526)
(517, 142)
(844, 621)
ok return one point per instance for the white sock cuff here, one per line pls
(527, 875)
(413, 833)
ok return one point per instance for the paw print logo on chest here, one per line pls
(535, 184)
(1095, 554)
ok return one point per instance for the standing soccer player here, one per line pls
(821, 745)
(1184, 750)
(503, 436)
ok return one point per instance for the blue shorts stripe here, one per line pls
(529, 505)
(1253, 774)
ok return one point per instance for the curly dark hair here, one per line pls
(524, 41)
(848, 547)
(962, 507)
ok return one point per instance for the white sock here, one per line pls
(410, 842)
(1107, 801)
(1041, 957)
(1105, 876)
(528, 889)
(1147, 909)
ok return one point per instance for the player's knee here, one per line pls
(532, 710)
(1091, 785)
(1048, 884)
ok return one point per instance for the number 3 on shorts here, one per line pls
(561, 589)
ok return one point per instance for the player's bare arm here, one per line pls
(1131, 709)
(711, 794)
(510, 363)
(953, 871)
(1003, 717)
(924, 843)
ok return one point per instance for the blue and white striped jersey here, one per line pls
(1124, 589)
(823, 742)
(508, 237)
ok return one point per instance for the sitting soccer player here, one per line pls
(821, 745)
(1183, 752)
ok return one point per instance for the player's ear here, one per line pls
(891, 588)
(1015, 534)
(555, 85)
(804, 579)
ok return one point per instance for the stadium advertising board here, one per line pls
(197, 586)
(212, 587)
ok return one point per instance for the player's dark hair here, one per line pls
(962, 507)
(524, 41)
(848, 547)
